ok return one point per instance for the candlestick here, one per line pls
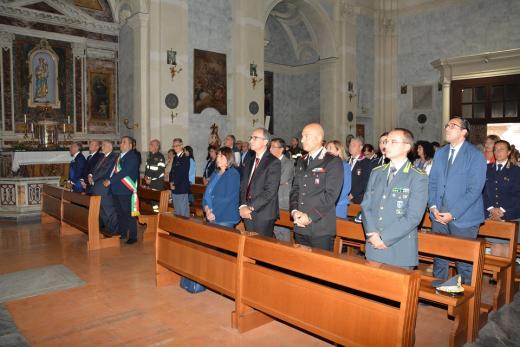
(68, 119)
(25, 118)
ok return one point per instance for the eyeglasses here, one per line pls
(394, 142)
(256, 138)
(453, 126)
(177, 145)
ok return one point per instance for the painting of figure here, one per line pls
(100, 90)
(209, 81)
(43, 67)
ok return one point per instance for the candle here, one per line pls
(68, 119)
(25, 118)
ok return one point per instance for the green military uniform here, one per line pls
(155, 166)
(394, 210)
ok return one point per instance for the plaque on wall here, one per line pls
(171, 101)
(253, 107)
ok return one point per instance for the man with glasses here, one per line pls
(394, 204)
(286, 178)
(259, 186)
(317, 183)
(360, 167)
(457, 178)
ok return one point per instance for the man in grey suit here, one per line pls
(317, 183)
(286, 179)
(457, 178)
(101, 172)
(394, 205)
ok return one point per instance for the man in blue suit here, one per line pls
(123, 186)
(76, 167)
(93, 158)
(457, 178)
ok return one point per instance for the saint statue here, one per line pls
(42, 73)
(214, 139)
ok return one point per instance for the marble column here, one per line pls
(79, 86)
(6, 82)
(139, 24)
(248, 48)
(386, 76)
(446, 90)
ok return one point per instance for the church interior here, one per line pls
(73, 72)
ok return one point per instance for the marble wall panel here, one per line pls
(449, 30)
(365, 41)
(296, 103)
(126, 78)
(209, 28)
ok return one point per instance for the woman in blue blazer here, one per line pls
(221, 197)
(336, 148)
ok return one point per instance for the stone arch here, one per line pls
(319, 21)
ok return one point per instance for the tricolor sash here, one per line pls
(132, 186)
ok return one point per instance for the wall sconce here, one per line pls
(404, 89)
(350, 89)
(171, 59)
(126, 121)
(254, 75)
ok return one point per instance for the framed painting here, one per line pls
(101, 100)
(209, 81)
(43, 76)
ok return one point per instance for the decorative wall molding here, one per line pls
(6, 40)
(73, 17)
(100, 53)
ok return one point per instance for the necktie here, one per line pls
(391, 175)
(450, 160)
(248, 194)
(309, 161)
(499, 167)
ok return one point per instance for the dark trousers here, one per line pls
(127, 223)
(441, 265)
(323, 242)
(107, 215)
(260, 226)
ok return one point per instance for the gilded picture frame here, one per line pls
(43, 76)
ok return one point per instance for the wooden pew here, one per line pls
(204, 252)
(338, 299)
(196, 207)
(51, 202)
(466, 309)
(147, 214)
(502, 269)
(353, 210)
(81, 212)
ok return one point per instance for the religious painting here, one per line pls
(209, 82)
(101, 105)
(43, 76)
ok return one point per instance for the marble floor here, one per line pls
(120, 305)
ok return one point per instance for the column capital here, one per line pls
(78, 49)
(6, 40)
(138, 20)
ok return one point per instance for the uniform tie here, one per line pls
(499, 167)
(391, 175)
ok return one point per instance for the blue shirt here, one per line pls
(191, 174)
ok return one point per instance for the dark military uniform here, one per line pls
(502, 190)
(315, 190)
(360, 175)
(394, 210)
(155, 166)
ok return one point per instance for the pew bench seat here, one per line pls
(147, 199)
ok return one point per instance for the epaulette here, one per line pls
(421, 171)
(384, 166)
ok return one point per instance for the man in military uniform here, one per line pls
(394, 205)
(317, 183)
(502, 192)
(154, 171)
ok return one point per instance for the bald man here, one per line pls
(317, 184)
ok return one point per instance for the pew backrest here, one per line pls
(51, 200)
(81, 211)
(147, 195)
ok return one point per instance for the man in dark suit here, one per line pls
(180, 180)
(259, 186)
(457, 178)
(245, 156)
(317, 183)
(93, 158)
(76, 167)
(361, 168)
(100, 173)
(123, 187)
(502, 192)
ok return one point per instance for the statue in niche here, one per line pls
(42, 73)
(214, 139)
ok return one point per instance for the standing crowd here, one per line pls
(316, 180)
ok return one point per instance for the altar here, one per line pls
(36, 163)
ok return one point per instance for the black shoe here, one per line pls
(131, 241)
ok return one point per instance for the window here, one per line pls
(487, 100)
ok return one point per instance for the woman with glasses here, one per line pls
(336, 149)
(221, 197)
